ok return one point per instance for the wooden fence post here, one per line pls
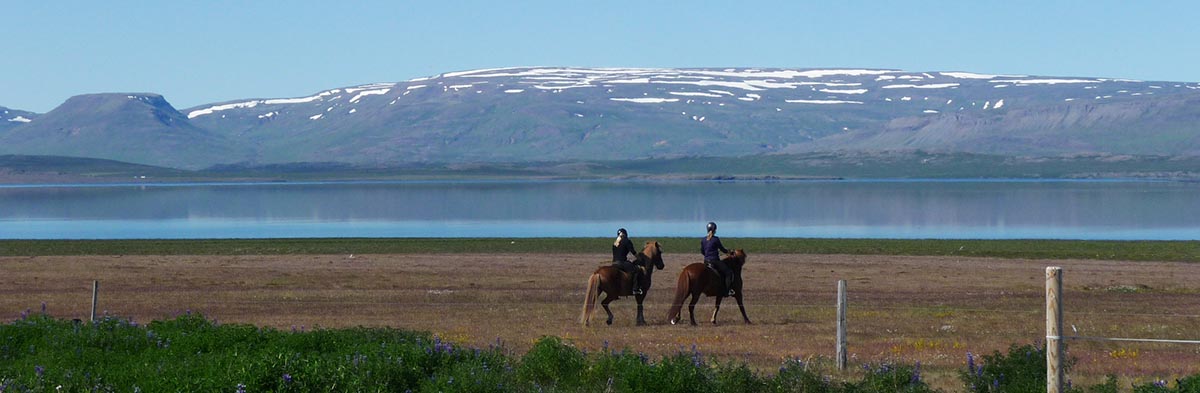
(841, 325)
(95, 291)
(1054, 371)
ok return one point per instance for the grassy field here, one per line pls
(1181, 251)
(910, 301)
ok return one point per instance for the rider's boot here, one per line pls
(729, 284)
(637, 283)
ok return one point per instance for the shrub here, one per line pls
(1022, 369)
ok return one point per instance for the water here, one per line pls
(1121, 210)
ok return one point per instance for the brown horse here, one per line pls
(616, 283)
(697, 279)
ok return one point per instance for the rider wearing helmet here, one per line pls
(620, 248)
(709, 246)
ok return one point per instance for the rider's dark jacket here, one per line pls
(709, 248)
(625, 247)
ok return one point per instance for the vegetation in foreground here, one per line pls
(191, 353)
(1184, 251)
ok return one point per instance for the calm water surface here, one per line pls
(860, 209)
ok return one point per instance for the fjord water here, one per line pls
(998, 209)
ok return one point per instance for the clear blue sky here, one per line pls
(198, 52)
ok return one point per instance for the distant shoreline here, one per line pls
(1157, 250)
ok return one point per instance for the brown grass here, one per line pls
(927, 309)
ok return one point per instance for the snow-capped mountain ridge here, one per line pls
(520, 114)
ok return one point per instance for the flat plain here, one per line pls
(931, 309)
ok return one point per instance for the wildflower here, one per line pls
(241, 388)
(1160, 383)
(43, 308)
(39, 370)
(287, 378)
(916, 374)
(605, 346)
(970, 362)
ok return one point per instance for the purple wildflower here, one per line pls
(1160, 383)
(39, 370)
(43, 308)
(970, 362)
(287, 378)
(241, 388)
(916, 374)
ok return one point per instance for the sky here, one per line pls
(201, 52)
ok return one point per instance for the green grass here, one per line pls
(190, 353)
(1187, 251)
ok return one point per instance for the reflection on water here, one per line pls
(873, 209)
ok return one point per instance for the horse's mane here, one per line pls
(736, 258)
(651, 255)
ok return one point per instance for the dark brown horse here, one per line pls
(697, 279)
(616, 283)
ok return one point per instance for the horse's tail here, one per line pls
(682, 288)
(589, 300)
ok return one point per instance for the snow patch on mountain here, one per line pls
(646, 100)
(928, 86)
(847, 91)
(823, 102)
(1045, 81)
(695, 94)
(365, 93)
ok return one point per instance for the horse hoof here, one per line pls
(608, 322)
(673, 321)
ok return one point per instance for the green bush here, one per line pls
(1022, 369)
(191, 353)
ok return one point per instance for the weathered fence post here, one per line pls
(841, 325)
(1054, 371)
(95, 291)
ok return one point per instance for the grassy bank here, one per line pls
(191, 353)
(1187, 251)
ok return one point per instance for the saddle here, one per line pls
(714, 269)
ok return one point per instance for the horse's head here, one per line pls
(653, 254)
(736, 259)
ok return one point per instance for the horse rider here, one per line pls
(622, 247)
(709, 246)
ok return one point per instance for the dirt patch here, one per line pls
(928, 309)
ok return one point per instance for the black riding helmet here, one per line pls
(712, 226)
(621, 232)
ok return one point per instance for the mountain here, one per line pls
(11, 118)
(137, 128)
(554, 114)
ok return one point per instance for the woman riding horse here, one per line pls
(622, 247)
(614, 283)
(697, 279)
(709, 246)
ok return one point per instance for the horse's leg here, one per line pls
(738, 296)
(608, 298)
(716, 309)
(692, 308)
(641, 321)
